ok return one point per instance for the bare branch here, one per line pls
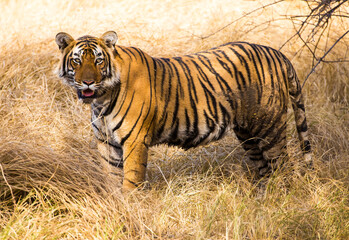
(243, 16)
(313, 28)
(321, 59)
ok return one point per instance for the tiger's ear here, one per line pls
(63, 40)
(110, 38)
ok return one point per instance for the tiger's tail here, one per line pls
(295, 91)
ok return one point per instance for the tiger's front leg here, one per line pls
(135, 164)
(111, 159)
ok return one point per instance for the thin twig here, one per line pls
(318, 21)
(320, 60)
(249, 13)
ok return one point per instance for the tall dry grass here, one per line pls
(51, 186)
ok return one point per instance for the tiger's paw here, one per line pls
(130, 187)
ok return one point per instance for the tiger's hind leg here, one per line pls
(275, 155)
(255, 155)
(251, 146)
(267, 150)
(274, 147)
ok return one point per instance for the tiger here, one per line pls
(138, 101)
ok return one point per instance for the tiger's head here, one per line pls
(87, 64)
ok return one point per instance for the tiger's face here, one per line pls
(87, 64)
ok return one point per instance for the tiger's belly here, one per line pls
(183, 138)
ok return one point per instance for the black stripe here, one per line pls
(278, 66)
(209, 122)
(208, 65)
(219, 78)
(111, 106)
(188, 76)
(174, 133)
(211, 126)
(236, 78)
(223, 64)
(175, 112)
(118, 125)
(129, 50)
(241, 46)
(95, 126)
(173, 66)
(126, 52)
(161, 127)
(275, 70)
(109, 69)
(225, 119)
(139, 53)
(241, 76)
(280, 56)
(154, 70)
(276, 138)
(133, 127)
(300, 106)
(135, 184)
(147, 64)
(132, 170)
(114, 145)
(244, 63)
(259, 86)
(187, 122)
(150, 126)
(202, 74)
(169, 90)
(303, 127)
(306, 146)
(210, 100)
(114, 164)
(232, 102)
(64, 71)
(163, 76)
(256, 48)
(123, 97)
(270, 70)
(116, 53)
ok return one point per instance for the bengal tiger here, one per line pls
(138, 101)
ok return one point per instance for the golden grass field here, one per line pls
(52, 188)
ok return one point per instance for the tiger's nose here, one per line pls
(87, 82)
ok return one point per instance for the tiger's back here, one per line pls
(212, 91)
(194, 99)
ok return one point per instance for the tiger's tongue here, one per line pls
(88, 92)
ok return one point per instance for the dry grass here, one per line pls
(51, 186)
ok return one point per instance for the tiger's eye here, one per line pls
(77, 60)
(99, 61)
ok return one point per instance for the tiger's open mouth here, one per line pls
(87, 93)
